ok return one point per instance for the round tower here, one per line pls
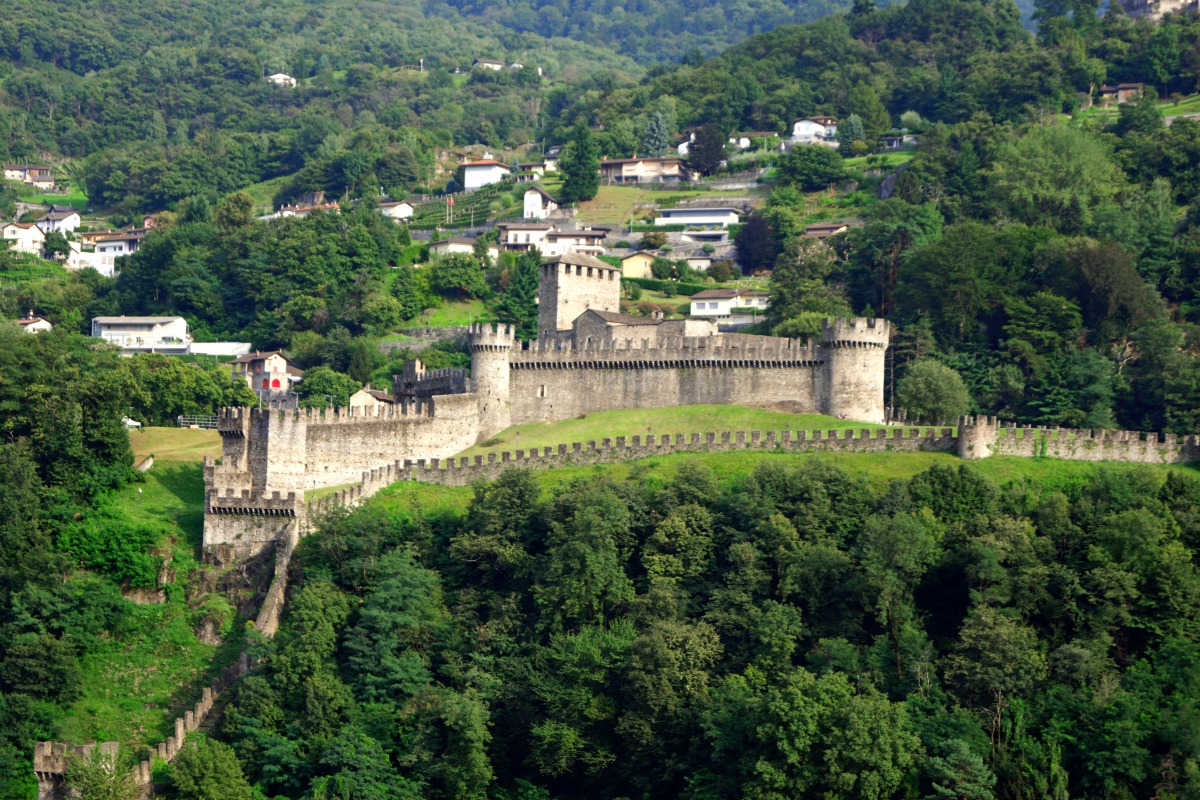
(490, 345)
(855, 351)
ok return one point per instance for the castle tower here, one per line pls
(489, 347)
(854, 368)
(571, 284)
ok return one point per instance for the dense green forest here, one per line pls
(796, 633)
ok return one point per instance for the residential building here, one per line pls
(823, 230)
(637, 265)
(38, 176)
(643, 170)
(552, 241)
(539, 204)
(268, 374)
(459, 244)
(89, 238)
(282, 79)
(488, 63)
(367, 397)
(399, 209)
(485, 172)
(151, 334)
(1155, 9)
(32, 323)
(712, 303)
(538, 168)
(26, 237)
(815, 130)
(110, 248)
(63, 222)
(78, 258)
(686, 215)
(1121, 93)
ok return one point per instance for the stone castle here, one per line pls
(588, 357)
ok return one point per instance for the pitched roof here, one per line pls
(394, 203)
(23, 225)
(646, 253)
(615, 161)
(728, 294)
(57, 215)
(455, 240)
(257, 356)
(623, 319)
(527, 226)
(486, 162)
(580, 260)
(382, 396)
(545, 195)
(30, 320)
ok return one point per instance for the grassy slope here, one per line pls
(1034, 476)
(174, 444)
(612, 204)
(640, 421)
(135, 686)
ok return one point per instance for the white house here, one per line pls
(78, 258)
(722, 302)
(38, 176)
(477, 174)
(552, 241)
(459, 244)
(488, 63)
(110, 248)
(62, 221)
(367, 397)
(282, 79)
(31, 323)
(400, 209)
(539, 204)
(26, 237)
(154, 334)
(814, 130)
(697, 216)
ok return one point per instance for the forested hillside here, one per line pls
(793, 633)
(169, 100)
(651, 30)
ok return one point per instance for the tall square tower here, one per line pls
(569, 285)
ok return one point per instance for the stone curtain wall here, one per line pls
(460, 472)
(51, 759)
(981, 437)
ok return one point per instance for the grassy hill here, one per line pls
(641, 421)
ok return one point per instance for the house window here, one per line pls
(266, 383)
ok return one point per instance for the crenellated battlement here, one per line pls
(855, 332)
(418, 381)
(666, 353)
(248, 501)
(490, 337)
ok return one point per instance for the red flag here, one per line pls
(450, 201)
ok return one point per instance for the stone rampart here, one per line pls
(51, 760)
(981, 437)
(418, 381)
(464, 470)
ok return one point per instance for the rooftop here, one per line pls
(57, 215)
(134, 320)
(704, 209)
(487, 162)
(257, 356)
(728, 294)
(636, 160)
(623, 319)
(580, 260)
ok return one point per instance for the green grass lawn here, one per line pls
(73, 197)
(458, 312)
(174, 444)
(264, 193)
(613, 204)
(136, 684)
(892, 158)
(1032, 476)
(641, 421)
